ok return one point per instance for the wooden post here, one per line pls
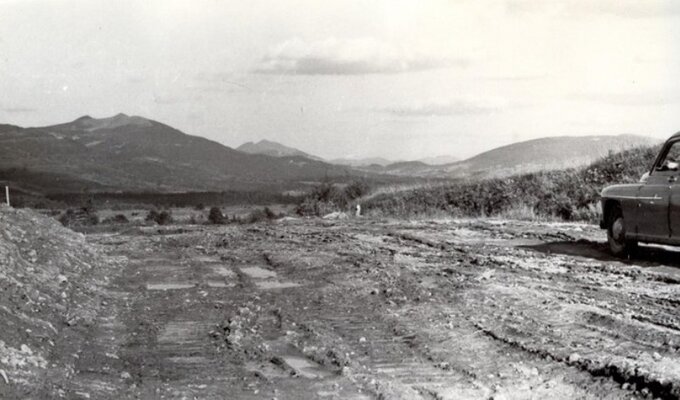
(7, 195)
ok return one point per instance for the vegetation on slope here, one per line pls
(570, 194)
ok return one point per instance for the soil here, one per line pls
(370, 309)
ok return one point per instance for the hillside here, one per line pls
(362, 162)
(439, 160)
(273, 149)
(569, 194)
(134, 153)
(545, 154)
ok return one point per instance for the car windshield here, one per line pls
(672, 158)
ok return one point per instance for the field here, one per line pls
(362, 309)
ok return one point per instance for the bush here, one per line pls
(571, 194)
(116, 219)
(327, 198)
(78, 218)
(165, 217)
(162, 218)
(151, 216)
(215, 216)
(258, 215)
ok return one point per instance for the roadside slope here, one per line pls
(49, 287)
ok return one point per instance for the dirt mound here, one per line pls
(43, 270)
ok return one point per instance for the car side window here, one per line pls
(671, 161)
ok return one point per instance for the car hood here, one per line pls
(630, 189)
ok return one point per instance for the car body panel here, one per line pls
(651, 208)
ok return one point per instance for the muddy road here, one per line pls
(307, 309)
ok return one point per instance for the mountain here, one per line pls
(401, 168)
(549, 153)
(134, 153)
(273, 149)
(439, 160)
(361, 162)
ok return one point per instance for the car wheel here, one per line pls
(616, 235)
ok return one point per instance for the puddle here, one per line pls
(275, 285)
(182, 332)
(258, 272)
(266, 279)
(305, 367)
(168, 286)
(164, 268)
(223, 271)
(218, 284)
(188, 360)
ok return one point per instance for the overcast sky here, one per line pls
(336, 78)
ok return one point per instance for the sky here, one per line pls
(349, 78)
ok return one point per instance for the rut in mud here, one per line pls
(379, 309)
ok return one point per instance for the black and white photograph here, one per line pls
(339, 199)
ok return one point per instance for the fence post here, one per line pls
(7, 195)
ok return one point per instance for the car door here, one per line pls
(674, 206)
(654, 197)
(674, 212)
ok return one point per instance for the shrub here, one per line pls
(78, 218)
(571, 194)
(269, 214)
(162, 218)
(116, 219)
(165, 217)
(215, 216)
(327, 198)
(258, 215)
(151, 216)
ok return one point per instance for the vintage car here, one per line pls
(648, 211)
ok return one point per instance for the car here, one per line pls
(647, 211)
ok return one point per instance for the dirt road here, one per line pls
(378, 309)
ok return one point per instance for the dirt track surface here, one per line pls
(377, 309)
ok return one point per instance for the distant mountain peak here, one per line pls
(90, 124)
(271, 148)
(270, 142)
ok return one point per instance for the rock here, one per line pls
(362, 339)
(125, 375)
(336, 215)
(657, 356)
(25, 349)
(574, 358)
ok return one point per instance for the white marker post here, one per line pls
(7, 195)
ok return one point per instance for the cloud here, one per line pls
(629, 99)
(620, 8)
(450, 107)
(17, 109)
(347, 57)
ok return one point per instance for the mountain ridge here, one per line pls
(134, 153)
(547, 153)
(275, 149)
